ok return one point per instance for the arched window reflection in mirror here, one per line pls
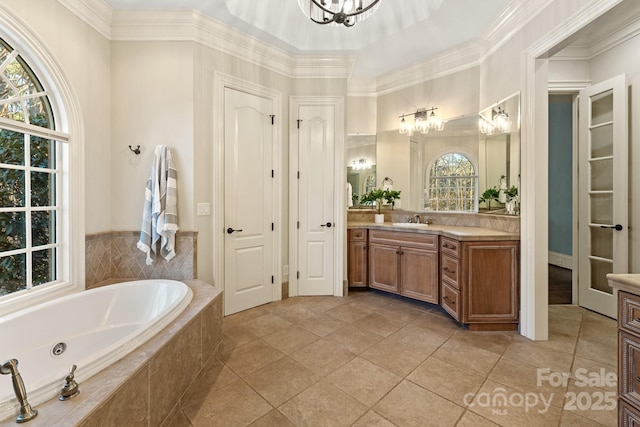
(451, 184)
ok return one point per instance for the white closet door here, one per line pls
(603, 180)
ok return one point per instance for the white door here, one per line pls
(316, 198)
(248, 201)
(602, 192)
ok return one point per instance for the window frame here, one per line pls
(427, 181)
(69, 130)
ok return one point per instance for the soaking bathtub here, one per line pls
(90, 329)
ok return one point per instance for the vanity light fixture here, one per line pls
(424, 120)
(499, 123)
(360, 164)
(336, 12)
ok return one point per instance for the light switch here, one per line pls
(204, 209)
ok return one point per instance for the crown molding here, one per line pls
(505, 26)
(440, 65)
(627, 31)
(96, 13)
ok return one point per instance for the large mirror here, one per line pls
(361, 166)
(494, 155)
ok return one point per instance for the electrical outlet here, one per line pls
(285, 270)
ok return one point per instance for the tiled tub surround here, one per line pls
(144, 388)
(114, 255)
(507, 223)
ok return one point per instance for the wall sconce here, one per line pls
(360, 164)
(499, 123)
(424, 120)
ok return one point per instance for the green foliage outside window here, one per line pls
(28, 176)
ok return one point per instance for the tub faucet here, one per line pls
(70, 388)
(26, 411)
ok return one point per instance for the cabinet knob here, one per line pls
(445, 246)
(446, 298)
(448, 271)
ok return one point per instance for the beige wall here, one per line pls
(454, 95)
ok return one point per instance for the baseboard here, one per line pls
(561, 260)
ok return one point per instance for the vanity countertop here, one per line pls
(454, 232)
(625, 282)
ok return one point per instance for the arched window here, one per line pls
(452, 184)
(31, 186)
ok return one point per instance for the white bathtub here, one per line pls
(98, 327)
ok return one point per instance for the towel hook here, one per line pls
(136, 150)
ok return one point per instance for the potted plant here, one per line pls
(391, 196)
(379, 196)
(489, 195)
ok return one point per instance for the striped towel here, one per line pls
(160, 213)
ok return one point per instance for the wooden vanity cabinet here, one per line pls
(479, 282)
(357, 263)
(404, 263)
(629, 358)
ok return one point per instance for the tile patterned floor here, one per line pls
(371, 359)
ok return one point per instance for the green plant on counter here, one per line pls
(490, 194)
(512, 193)
(378, 195)
(391, 196)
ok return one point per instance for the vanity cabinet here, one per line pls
(404, 263)
(479, 282)
(357, 262)
(629, 358)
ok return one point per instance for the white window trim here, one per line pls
(69, 123)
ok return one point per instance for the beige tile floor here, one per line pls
(371, 359)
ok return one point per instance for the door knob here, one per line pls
(616, 227)
(327, 225)
(231, 230)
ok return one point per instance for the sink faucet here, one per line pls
(416, 218)
(26, 411)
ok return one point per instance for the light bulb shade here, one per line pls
(338, 12)
(404, 127)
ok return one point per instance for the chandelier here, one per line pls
(423, 121)
(336, 12)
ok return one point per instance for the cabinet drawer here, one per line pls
(450, 269)
(628, 416)
(358, 235)
(450, 300)
(629, 316)
(450, 246)
(401, 238)
(629, 368)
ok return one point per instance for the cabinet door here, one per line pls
(419, 274)
(357, 264)
(384, 267)
(629, 383)
(490, 288)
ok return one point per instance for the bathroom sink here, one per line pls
(409, 224)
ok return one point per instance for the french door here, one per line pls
(602, 192)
